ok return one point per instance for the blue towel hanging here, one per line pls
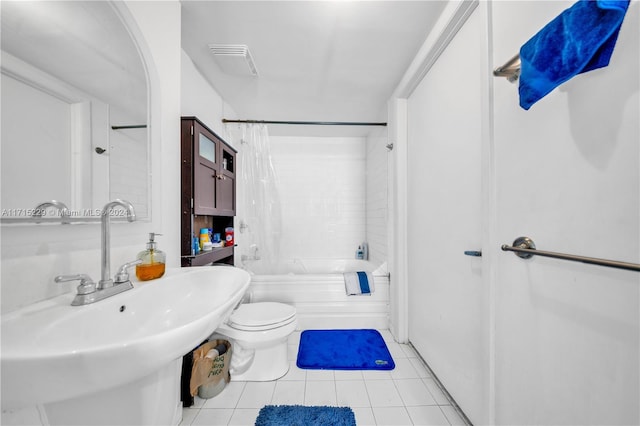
(578, 40)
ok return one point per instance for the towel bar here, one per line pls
(525, 248)
(510, 70)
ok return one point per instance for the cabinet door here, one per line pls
(226, 189)
(225, 196)
(205, 190)
(205, 174)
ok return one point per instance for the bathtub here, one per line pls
(316, 288)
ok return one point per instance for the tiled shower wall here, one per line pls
(376, 195)
(322, 185)
(333, 193)
(129, 167)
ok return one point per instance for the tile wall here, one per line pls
(376, 193)
(322, 191)
(129, 166)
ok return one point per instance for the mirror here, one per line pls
(74, 109)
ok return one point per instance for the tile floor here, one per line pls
(406, 395)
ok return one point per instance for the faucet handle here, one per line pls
(87, 286)
(122, 276)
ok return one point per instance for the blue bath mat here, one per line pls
(299, 415)
(343, 350)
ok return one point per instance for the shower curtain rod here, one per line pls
(312, 123)
(130, 126)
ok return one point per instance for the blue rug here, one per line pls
(343, 350)
(298, 415)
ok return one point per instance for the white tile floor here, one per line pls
(406, 395)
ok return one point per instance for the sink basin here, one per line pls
(52, 351)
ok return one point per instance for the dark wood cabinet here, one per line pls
(208, 181)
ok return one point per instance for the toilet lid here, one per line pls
(261, 314)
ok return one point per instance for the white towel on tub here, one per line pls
(358, 283)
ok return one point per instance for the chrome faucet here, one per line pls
(62, 207)
(90, 292)
(105, 236)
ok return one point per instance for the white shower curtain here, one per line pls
(259, 218)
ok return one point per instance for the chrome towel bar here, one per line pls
(525, 248)
(510, 70)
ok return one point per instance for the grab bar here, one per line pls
(525, 248)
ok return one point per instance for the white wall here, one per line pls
(129, 172)
(397, 202)
(377, 195)
(322, 193)
(200, 100)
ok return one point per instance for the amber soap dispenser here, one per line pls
(153, 261)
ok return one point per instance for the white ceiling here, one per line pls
(317, 60)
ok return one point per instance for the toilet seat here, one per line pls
(262, 316)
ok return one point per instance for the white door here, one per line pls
(448, 306)
(567, 334)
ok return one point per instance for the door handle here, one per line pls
(475, 253)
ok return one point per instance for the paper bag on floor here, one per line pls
(207, 369)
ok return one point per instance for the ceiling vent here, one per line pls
(234, 59)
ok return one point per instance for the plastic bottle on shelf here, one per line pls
(228, 236)
(204, 237)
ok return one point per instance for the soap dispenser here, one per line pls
(153, 261)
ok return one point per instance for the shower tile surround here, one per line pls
(322, 193)
(407, 395)
(376, 195)
(332, 194)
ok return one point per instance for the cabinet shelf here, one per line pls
(208, 257)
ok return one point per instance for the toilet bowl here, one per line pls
(258, 333)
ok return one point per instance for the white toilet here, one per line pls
(258, 333)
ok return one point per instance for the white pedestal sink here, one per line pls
(116, 361)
